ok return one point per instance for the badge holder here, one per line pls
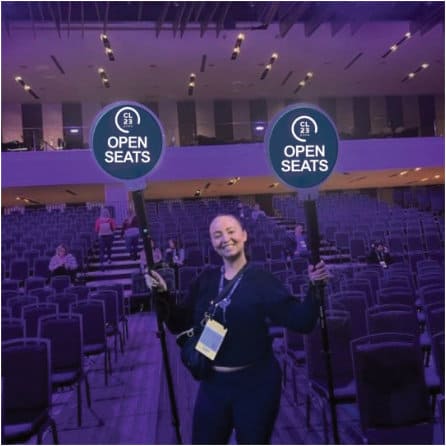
(211, 339)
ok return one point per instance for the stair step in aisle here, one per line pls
(119, 271)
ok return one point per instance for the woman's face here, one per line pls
(60, 251)
(228, 238)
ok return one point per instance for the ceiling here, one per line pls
(56, 48)
(212, 187)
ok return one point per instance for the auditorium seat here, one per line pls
(339, 331)
(388, 373)
(26, 402)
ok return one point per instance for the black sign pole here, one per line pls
(138, 203)
(314, 242)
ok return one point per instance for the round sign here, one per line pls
(302, 145)
(127, 140)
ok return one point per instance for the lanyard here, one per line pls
(224, 303)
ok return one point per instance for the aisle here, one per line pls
(128, 405)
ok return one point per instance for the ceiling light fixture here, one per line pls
(238, 44)
(306, 80)
(269, 65)
(436, 177)
(417, 169)
(412, 74)
(396, 45)
(26, 86)
(104, 77)
(404, 172)
(424, 179)
(107, 46)
(191, 85)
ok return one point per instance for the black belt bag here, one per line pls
(199, 365)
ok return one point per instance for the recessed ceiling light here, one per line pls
(417, 169)
(408, 35)
(424, 65)
(436, 177)
(404, 172)
(424, 179)
(393, 48)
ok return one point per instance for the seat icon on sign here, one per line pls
(303, 127)
(125, 119)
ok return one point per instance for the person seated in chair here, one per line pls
(63, 263)
(379, 254)
(297, 245)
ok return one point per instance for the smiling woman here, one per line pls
(235, 304)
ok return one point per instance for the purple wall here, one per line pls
(244, 160)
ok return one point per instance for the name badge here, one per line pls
(211, 339)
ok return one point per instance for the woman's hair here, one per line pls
(61, 245)
(235, 217)
(105, 213)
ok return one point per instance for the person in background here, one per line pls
(63, 263)
(240, 211)
(156, 254)
(130, 232)
(104, 228)
(379, 254)
(257, 212)
(174, 254)
(229, 397)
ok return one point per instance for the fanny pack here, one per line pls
(199, 365)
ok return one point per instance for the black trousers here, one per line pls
(247, 401)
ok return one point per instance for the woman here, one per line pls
(130, 232)
(105, 227)
(244, 387)
(63, 263)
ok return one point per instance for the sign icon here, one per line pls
(126, 140)
(302, 145)
(125, 117)
(305, 125)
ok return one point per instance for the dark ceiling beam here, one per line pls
(98, 15)
(204, 24)
(31, 16)
(290, 14)
(426, 20)
(5, 22)
(198, 11)
(355, 26)
(270, 14)
(42, 16)
(82, 19)
(69, 19)
(222, 18)
(179, 17)
(161, 19)
(336, 26)
(106, 13)
(318, 17)
(186, 19)
(140, 8)
(50, 7)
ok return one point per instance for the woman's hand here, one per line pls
(158, 282)
(318, 272)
